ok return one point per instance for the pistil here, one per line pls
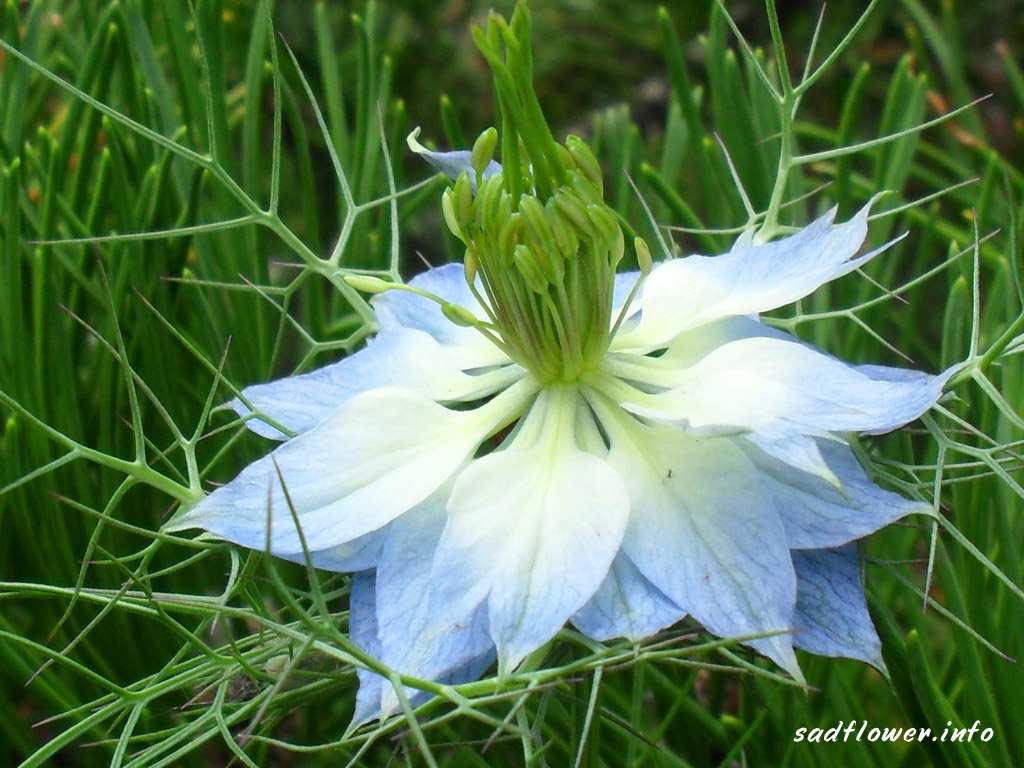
(542, 246)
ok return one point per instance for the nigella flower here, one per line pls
(532, 440)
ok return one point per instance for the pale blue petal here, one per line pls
(831, 611)
(686, 293)
(402, 309)
(624, 282)
(390, 621)
(405, 309)
(622, 287)
(300, 402)
(787, 443)
(356, 555)
(817, 515)
(362, 629)
(399, 356)
(372, 687)
(757, 383)
(626, 605)
(689, 348)
(452, 164)
(411, 641)
(707, 535)
(472, 670)
(376, 456)
(919, 391)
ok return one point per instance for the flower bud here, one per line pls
(587, 192)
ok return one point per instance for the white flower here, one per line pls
(550, 446)
(699, 469)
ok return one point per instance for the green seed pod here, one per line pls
(566, 157)
(617, 248)
(450, 217)
(502, 213)
(550, 261)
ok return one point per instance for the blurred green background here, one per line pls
(651, 89)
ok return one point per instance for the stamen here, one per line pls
(643, 257)
(456, 313)
(539, 236)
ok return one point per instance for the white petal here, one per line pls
(533, 530)
(466, 346)
(669, 369)
(756, 383)
(686, 293)
(705, 533)
(378, 455)
(400, 357)
(815, 514)
(626, 605)
(411, 641)
(831, 611)
(691, 347)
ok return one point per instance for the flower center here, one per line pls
(545, 265)
(542, 246)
